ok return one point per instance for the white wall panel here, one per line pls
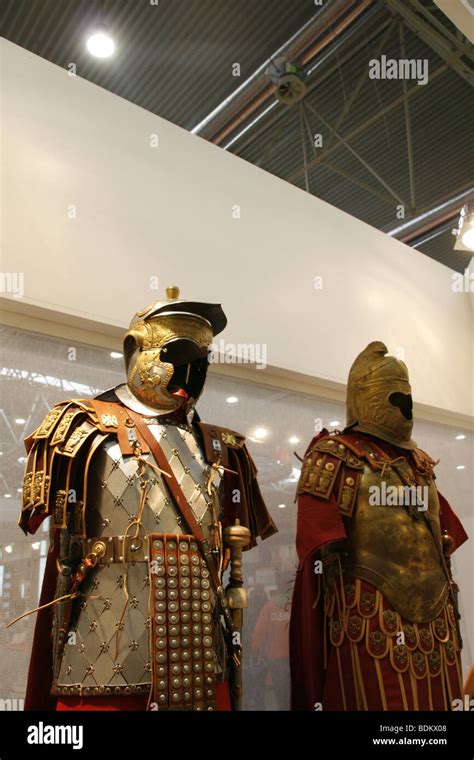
(167, 212)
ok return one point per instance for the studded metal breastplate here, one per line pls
(109, 646)
(395, 548)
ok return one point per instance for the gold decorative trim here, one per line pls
(78, 690)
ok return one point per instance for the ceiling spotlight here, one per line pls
(21, 460)
(116, 355)
(36, 545)
(20, 421)
(294, 439)
(9, 549)
(7, 495)
(100, 43)
(232, 399)
(460, 437)
(281, 506)
(460, 467)
(334, 423)
(465, 230)
(260, 434)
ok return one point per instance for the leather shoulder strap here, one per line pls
(176, 492)
(188, 516)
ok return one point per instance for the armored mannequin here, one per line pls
(147, 505)
(374, 622)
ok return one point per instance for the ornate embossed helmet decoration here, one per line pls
(379, 400)
(166, 350)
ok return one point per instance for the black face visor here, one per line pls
(190, 366)
(404, 402)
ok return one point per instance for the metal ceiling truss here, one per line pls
(335, 140)
(421, 20)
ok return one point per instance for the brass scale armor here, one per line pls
(166, 579)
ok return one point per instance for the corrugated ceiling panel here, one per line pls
(175, 59)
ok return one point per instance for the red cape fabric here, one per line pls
(40, 673)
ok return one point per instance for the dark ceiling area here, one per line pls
(392, 152)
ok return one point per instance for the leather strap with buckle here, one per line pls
(188, 516)
(109, 549)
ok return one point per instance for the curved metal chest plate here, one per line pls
(393, 547)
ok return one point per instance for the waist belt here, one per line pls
(109, 549)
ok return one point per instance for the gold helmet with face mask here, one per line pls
(379, 400)
(166, 350)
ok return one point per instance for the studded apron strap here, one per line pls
(186, 513)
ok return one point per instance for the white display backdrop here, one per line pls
(92, 212)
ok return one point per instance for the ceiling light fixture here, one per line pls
(465, 230)
(294, 439)
(334, 423)
(116, 355)
(460, 437)
(260, 434)
(232, 399)
(100, 44)
(20, 421)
